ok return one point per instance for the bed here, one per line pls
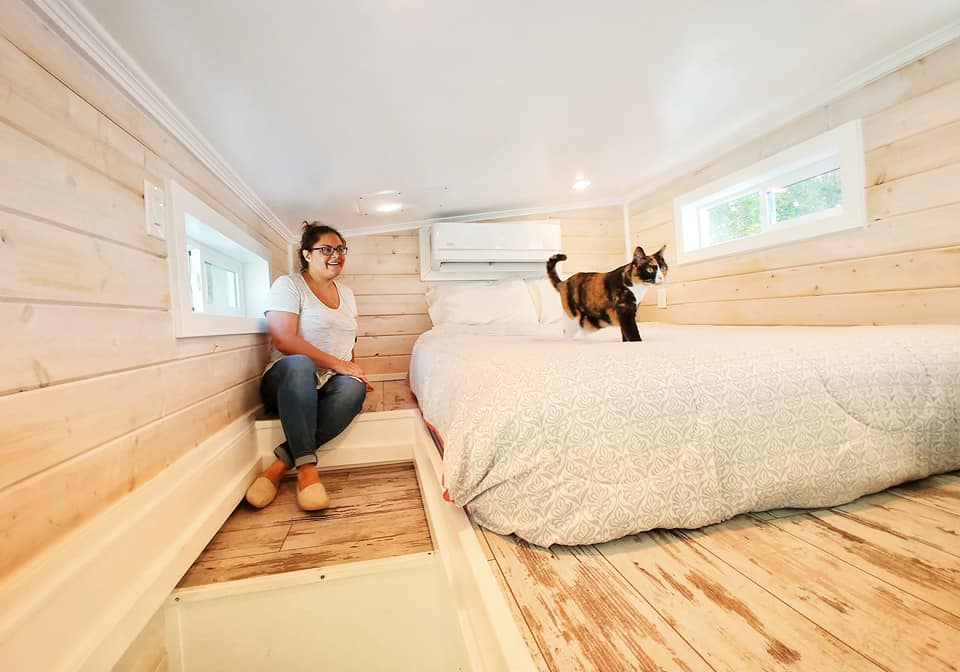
(582, 441)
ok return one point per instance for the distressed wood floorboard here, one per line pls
(871, 585)
(375, 512)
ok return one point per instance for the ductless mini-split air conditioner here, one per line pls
(474, 251)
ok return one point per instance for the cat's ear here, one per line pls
(639, 255)
(658, 255)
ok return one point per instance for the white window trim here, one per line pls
(844, 142)
(186, 322)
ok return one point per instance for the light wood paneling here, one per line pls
(912, 136)
(206, 345)
(924, 269)
(46, 344)
(382, 346)
(43, 183)
(30, 443)
(931, 109)
(96, 395)
(402, 264)
(40, 261)
(384, 273)
(389, 325)
(404, 244)
(363, 285)
(938, 147)
(927, 306)
(911, 193)
(385, 364)
(392, 304)
(37, 510)
(39, 105)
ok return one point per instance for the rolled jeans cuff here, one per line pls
(284, 456)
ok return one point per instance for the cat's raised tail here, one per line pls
(552, 268)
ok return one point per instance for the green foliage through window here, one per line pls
(814, 194)
(741, 217)
(734, 219)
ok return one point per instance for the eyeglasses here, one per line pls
(328, 250)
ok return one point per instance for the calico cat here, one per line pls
(595, 300)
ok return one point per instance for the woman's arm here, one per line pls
(283, 331)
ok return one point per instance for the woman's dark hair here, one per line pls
(312, 231)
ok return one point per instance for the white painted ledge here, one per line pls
(81, 602)
(383, 437)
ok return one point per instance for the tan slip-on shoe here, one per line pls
(313, 497)
(261, 492)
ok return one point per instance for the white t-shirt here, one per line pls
(333, 331)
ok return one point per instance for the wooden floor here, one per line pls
(873, 585)
(374, 512)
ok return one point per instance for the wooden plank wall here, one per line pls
(96, 395)
(904, 267)
(384, 273)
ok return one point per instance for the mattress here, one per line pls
(582, 441)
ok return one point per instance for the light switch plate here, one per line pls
(661, 297)
(155, 207)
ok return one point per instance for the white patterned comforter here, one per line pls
(588, 440)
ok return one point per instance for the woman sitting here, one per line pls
(311, 381)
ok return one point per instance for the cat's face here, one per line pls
(648, 269)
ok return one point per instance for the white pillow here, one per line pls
(546, 299)
(505, 302)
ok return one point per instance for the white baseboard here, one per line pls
(82, 602)
(491, 637)
(383, 437)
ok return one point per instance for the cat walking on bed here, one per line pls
(592, 301)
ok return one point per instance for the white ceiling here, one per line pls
(489, 105)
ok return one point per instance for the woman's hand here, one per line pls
(346, 368)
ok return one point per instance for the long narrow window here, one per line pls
(808, 190)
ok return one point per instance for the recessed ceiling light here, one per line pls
(389, 207)
(581, 184)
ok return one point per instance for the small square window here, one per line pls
(220, 275)
(808, 190)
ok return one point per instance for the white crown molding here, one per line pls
(479, 216)
(96, 44)
(798, 107)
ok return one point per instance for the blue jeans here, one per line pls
(309, 417)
